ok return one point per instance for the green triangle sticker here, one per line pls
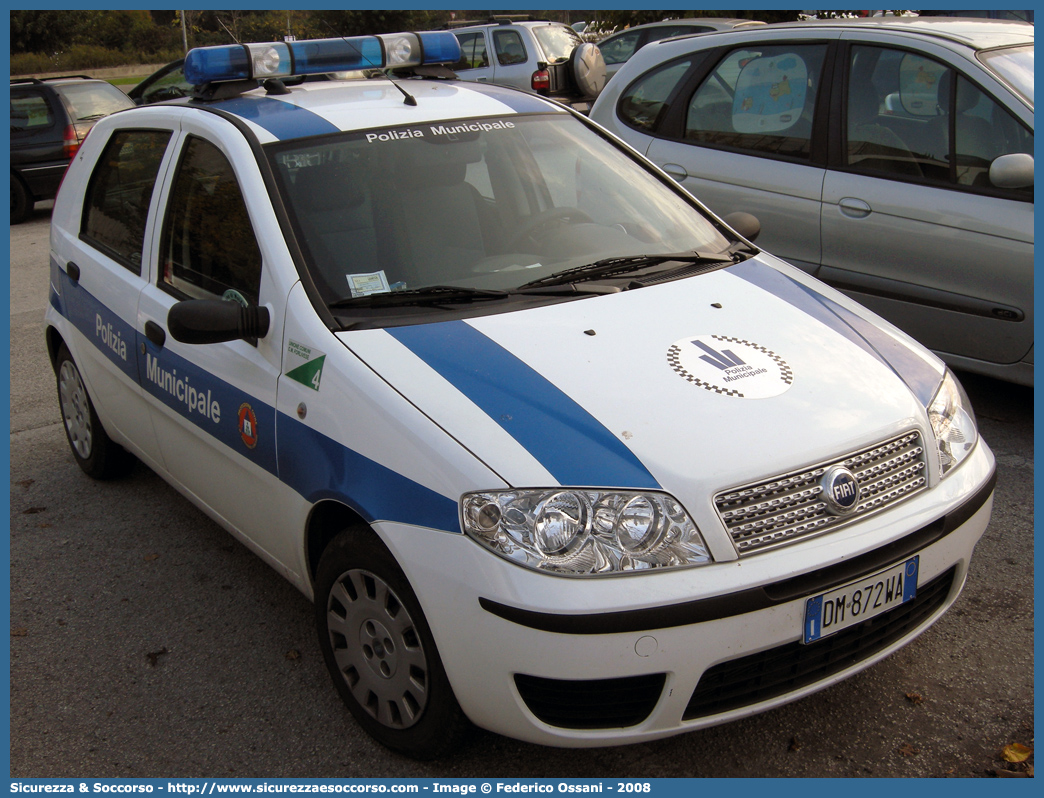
(309, 374)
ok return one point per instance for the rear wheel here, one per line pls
(380, 651)
(21, 202)
(95, 452)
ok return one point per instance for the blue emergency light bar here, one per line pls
(318, 56)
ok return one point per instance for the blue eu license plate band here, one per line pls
(829, 613)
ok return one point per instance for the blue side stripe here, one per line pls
(320, 468)
(315, 466)
(919, 376)
(283, 120)
(570, 443)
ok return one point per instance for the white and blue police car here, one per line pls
(552, 448)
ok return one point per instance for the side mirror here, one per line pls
(211, 321)
(1012, 171)
(746, 224)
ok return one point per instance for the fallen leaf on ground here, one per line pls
(21, 631)
(293, 654)
(914, 698)
(907, 750)
(33, 510)
(1016, 753)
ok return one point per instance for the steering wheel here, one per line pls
(565, 214)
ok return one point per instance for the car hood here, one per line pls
(691, 386)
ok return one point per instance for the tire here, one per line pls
(380, 652)
(91, 446)
(21, 202)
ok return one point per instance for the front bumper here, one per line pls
(588, 662)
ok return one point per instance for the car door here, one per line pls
(213, 405)
(37, 152)
(744, 135)
(475, 56)
(100, 276)
(912, 226)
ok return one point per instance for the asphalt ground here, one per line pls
(146, 642)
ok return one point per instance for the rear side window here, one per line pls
(116, 205)
(644, 103)
(509, 47)
(30, 112)
(759, 100)
(208, 245)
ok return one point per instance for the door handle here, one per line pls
(155, 333)
(73, 271)
(675, 171)
(854, 208)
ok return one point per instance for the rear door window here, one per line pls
(30, 113)
(761, 100)
(116, 204)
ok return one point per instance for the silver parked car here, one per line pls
(548, 58)
(891, 158)
(618, 48)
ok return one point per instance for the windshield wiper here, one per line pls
(435, 295)
(608, 267)
(430, 295)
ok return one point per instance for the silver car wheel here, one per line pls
(76, 411)
(377, 649)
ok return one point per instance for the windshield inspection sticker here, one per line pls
(366, 284)
(730, 366)
(304, 364)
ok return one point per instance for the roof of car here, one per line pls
(980, 34)
(724, 22)
(313, 109)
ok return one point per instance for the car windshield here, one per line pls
(93, 100)
(557, 41)
(1015, 66)
(483, 204)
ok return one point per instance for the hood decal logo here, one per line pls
(730, 366)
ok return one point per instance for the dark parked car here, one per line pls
(167, 83)
(49, 120)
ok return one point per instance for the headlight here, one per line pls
(584, 532)
(953, 423)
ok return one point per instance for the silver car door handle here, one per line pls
(675, 171)
(854, 208)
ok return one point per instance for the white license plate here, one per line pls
(831, 612)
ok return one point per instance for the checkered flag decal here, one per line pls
(674, 361)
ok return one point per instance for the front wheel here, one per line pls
(94, 451)
(380, 651)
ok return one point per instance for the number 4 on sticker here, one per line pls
(309, 373)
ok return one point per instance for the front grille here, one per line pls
(591, 703)
(778, 671)
(790, 507)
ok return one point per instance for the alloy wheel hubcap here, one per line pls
(377, 649)
(75, 410)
